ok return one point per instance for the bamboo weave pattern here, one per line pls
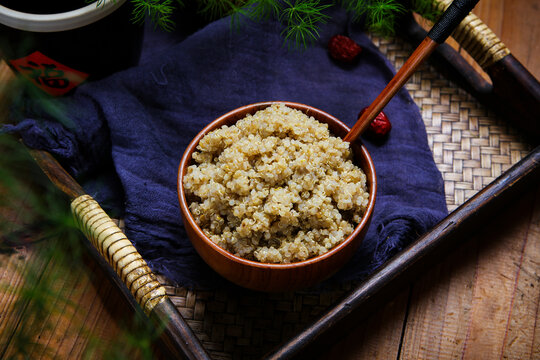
(471, 147)
(119, 252)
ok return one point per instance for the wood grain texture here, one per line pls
(378, 337)
(517, 25)
(469, 288)
(120, 259)
(466, 307)
(482, 302)
(417, 259)
(62, 330)
(84, 316)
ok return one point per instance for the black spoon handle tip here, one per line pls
(450, 19)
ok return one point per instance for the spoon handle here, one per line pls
(451, 18)
(437, 35)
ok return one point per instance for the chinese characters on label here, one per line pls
(47, 74)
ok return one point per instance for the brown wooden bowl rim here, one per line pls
(186, 158)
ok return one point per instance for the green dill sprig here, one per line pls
(158, 11)
(357, 8)
(426, 9)
(302, 19)
(215, 9)
(98, 2)
(381, 16)
(259, 10)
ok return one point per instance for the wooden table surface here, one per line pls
(480, 302)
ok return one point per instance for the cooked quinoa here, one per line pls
(276, 187)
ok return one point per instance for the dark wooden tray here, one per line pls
(513, 86)
(513, 93)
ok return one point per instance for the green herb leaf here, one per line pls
(259, 10)
(158, 11)
(302, 19)
(426, 9)
(381, 16)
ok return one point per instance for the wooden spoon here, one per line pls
(436, 36)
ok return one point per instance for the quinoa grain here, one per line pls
(275, 187)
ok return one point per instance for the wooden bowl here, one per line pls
(276, 277)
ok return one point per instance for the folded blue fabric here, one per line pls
(145, 117)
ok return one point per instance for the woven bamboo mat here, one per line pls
(471, 147)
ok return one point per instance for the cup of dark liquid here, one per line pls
(59, 44)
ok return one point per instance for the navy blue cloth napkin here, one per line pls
(143, 118)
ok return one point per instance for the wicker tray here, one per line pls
(471, 145)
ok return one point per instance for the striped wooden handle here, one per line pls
(119, 252)
(513, 92)
(476, 38)
(133, 273)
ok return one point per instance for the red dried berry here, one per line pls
(379, 127)
(343, 48)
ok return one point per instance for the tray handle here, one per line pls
(115, 253)
(476, 38)
(121, 255)
(118, 251)
(514, 93)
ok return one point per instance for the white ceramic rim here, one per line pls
(58, 22)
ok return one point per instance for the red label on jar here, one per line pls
(49, 75)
